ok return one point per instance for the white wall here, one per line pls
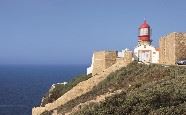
(154, 53)
(90, 69)
(121, 54)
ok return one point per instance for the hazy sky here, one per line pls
(68, 31)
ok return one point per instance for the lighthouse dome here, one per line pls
(144, 32)
(144, 25)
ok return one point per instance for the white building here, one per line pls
(146, 53)
(121, 54)
(90, 69)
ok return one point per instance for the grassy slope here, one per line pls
(164, 97)
(155, 90)
(148, 84)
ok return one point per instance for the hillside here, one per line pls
(135, 89)
(163, 97)
(81, 88)
(57, 90)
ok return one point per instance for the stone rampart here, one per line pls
(103, 60)
(172, 48)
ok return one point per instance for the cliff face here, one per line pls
(52, 94)
(59, 89)
(135, 89)
(80, 89)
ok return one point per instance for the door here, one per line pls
(144, 55)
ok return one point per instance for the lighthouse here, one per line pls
(144, 51)
(144, 34)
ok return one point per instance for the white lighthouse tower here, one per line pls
(144, 51)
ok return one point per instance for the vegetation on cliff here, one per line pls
(59, 89)
(146, 89)
(163, 97)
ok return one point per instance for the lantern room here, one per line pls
(144, 32)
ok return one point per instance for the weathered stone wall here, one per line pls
(110, 58)
(167, 49)
(98, 64)
(172, 48)
(162, 50)
(180, 46)
(126, 59)
(103, 60)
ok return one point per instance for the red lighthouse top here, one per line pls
(144, 25)
(144, 32)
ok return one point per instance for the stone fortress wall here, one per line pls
(105, 59)
(172, 48)
(126, 59)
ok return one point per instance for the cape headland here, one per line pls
(144, 81)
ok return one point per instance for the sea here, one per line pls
(23, 86)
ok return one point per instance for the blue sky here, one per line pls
(68, 31)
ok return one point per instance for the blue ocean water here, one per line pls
(22, 86)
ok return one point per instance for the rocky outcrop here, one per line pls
(80, 89)
(50, 96)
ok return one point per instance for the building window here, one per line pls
(154, 52)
